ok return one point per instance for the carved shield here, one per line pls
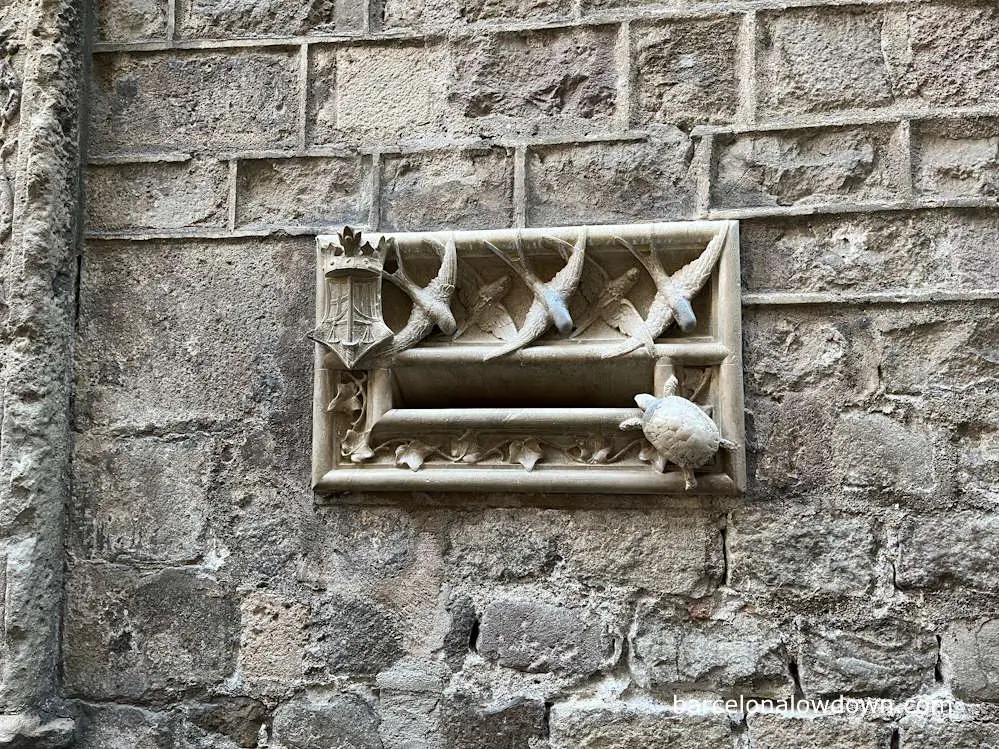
(352, 324)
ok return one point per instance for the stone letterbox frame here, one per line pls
(509, 360)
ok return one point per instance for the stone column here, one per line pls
(39, 205)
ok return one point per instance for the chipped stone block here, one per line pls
(237, 100)
(518, 723)
(240, 19)
(808, 166)
(169, 195)
(376, 93)
(537, 82)
(121, 727)
(135, 636)
(315, 722)
(944, 53)
(776, 548)
(504, 544)
(820, 60)
(409, 721)
(352, 636)
(713, 646)
(969, 653)
(131, 20)
(938, 732)
(956, 158)
(538, 637)
(977, 475)
(303, 191)
(236, 718)
(188, 331)
(888, 657)
(611, 182)
(444, 14)
(627, 726)
(949, 550)
(141, 499)
(683, 72)
(774, 731)
(653, 550)
(874, 450)
(469, 189)
(272, 644)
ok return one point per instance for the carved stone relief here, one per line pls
(512, 360)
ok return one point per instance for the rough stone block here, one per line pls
(656, 551)
(131, 20)
(504, 544)
(518, 723)
(344, 720)
(376, 93)
(808, 166)
(777, 548)
(174, 332)
(538, 637)
(956, 159)
(141, 499)
(272, 644)
(170, 195)
(769, 731)
(120, 727)
(713, 645)
(444, 14)
(876, 451)
(969, 654)
(818, 60)
(949, 550)
(409, 721)
(135, 636)
(240, 19)
(306, 191)
(977, 475)
(352, 636)
(611, 182)
(470, 189)
(888, 657)
(944, 53)
(537, 82)
(683, 72)
(234, 100)
(236, 718)
(623, 726)
(924, 732)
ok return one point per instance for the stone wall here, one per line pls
(212, 602)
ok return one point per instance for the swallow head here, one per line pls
(684, 314)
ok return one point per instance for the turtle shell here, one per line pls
(681, 431)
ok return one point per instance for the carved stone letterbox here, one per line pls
(513, 360)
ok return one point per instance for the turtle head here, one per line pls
(645, 401)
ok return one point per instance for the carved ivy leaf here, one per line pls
(355, 444)
(526, 452)
(412, 454)
(466, 448)
(347, 399)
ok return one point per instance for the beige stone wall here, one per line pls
(212, 602)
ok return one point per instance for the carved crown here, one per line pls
(345, 253)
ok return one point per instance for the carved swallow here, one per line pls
(431, 303)
(551, 299)
(610, 304)
(673, 293)
(484, 309)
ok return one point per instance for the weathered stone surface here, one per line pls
(870, 252)
(683, 72)
(409, 721)
(343, 721)
(944, 53)
(656, 551)
(817, 60)
(504, 545)
(939, 733)
(237, 718)
(949, 550)
(273, 639)
(353, 90)
(538, 637)
(120, 727)
(133, 636)
(715, 646)
(517, 723)
(470, 189)
(889, 657)
(623, 726)
(352, 636)
(442, 14)
(543, 81)
(462, 634)
(829, 732)
(141, 500)
(231, 101)
(977, 475)
(969, 653)
(158, 195)
(611, 182)
(808, 166)
(782, 549)
(225, 19)
(131, 20)
(956, 159)
(182, 332)
(330, 192)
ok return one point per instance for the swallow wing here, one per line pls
(691, 277)
(496, 321)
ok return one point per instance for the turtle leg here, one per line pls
(689, 481)
(632, 423)
(728, 444)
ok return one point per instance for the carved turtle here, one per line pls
(680, 431)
